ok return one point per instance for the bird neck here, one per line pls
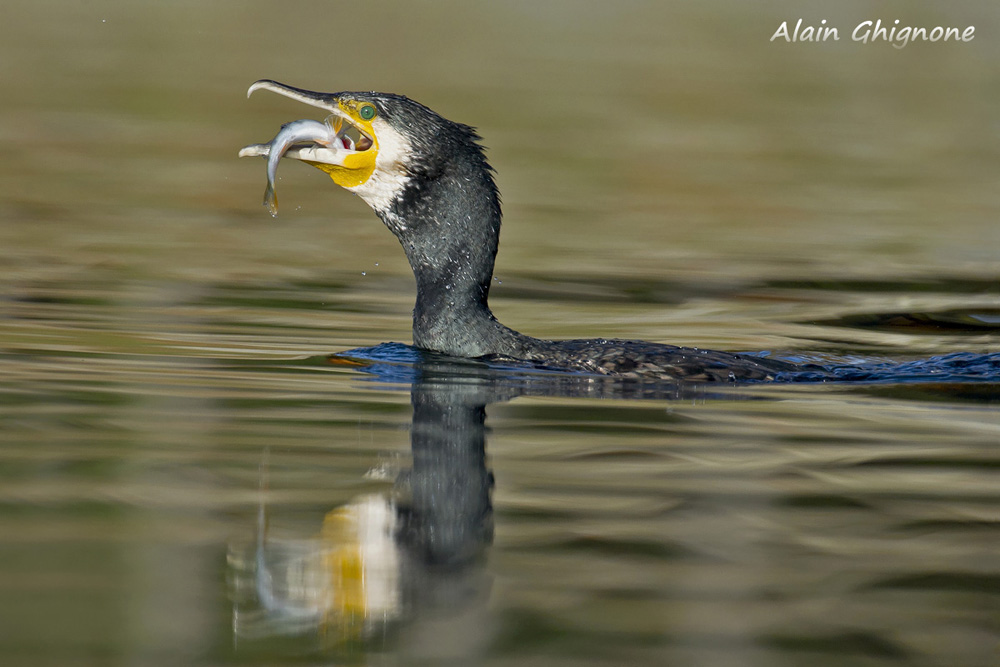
(449, 226)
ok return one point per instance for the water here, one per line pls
(188, 477)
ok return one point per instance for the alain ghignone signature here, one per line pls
(870, 32)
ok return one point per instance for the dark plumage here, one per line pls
(446, 215)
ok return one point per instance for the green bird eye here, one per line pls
(367, 111)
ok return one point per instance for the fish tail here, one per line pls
(271, 200)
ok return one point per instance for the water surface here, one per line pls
(187, 476)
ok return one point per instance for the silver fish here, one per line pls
(292, 133)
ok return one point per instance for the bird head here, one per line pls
(387, 142)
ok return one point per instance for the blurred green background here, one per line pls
(639, 137)
(667, 172)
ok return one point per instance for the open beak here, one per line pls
(351, 139)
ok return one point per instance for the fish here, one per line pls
(291, 133)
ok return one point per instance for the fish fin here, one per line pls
(271, 200)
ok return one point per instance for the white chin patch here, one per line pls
(391, 175)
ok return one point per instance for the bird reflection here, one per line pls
(384, 562)
(382, 559)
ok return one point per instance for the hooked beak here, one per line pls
(325, 101)
(315, 153)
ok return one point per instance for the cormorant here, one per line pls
(428, 180)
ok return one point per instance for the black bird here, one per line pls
(428, 180)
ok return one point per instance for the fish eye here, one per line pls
(367, 111)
